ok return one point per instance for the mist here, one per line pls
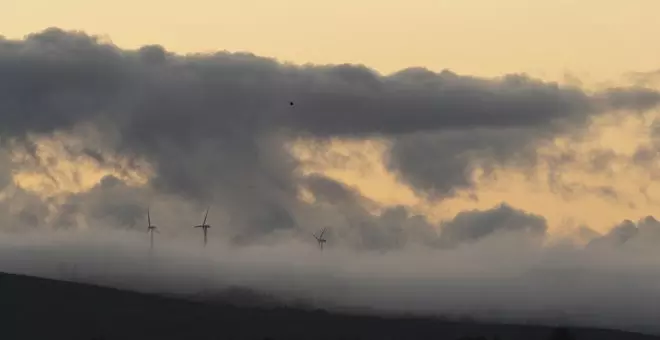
(505, 277)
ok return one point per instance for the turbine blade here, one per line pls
(149, 216)
(322, 232)
(205, 216)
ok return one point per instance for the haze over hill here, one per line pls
(74, 311)
(505, 279)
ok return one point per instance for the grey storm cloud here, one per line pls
(113, 205)
(629, 233)
(397, 226)
(440, 164)
(472, 225)
(214, 127)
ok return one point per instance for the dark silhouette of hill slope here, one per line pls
(35, 308)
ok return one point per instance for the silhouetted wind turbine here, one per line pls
(320, 238)
(204, 226)
(151, 229)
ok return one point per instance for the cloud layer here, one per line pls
(215, 127)
(498, 278)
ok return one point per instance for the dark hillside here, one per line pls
(34, 308)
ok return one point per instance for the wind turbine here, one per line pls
(204, 226)
(320, 238)
(151, 229)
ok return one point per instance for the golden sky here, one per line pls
(592, 38)
(595, 40)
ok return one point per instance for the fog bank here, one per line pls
(502, 278)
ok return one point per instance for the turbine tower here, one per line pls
(151, 229)
(204, 226)
(320, 239)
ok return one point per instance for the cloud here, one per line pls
(214, 126)
(651, 78)
(352, 220)
(630, 234)
(474, 225)
(396, 227)
(441, 164)
(113, 201)
(6, 168)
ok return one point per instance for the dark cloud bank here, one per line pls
(215, 130)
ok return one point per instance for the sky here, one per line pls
(430, 124)
(589, 43)
(595, 39)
